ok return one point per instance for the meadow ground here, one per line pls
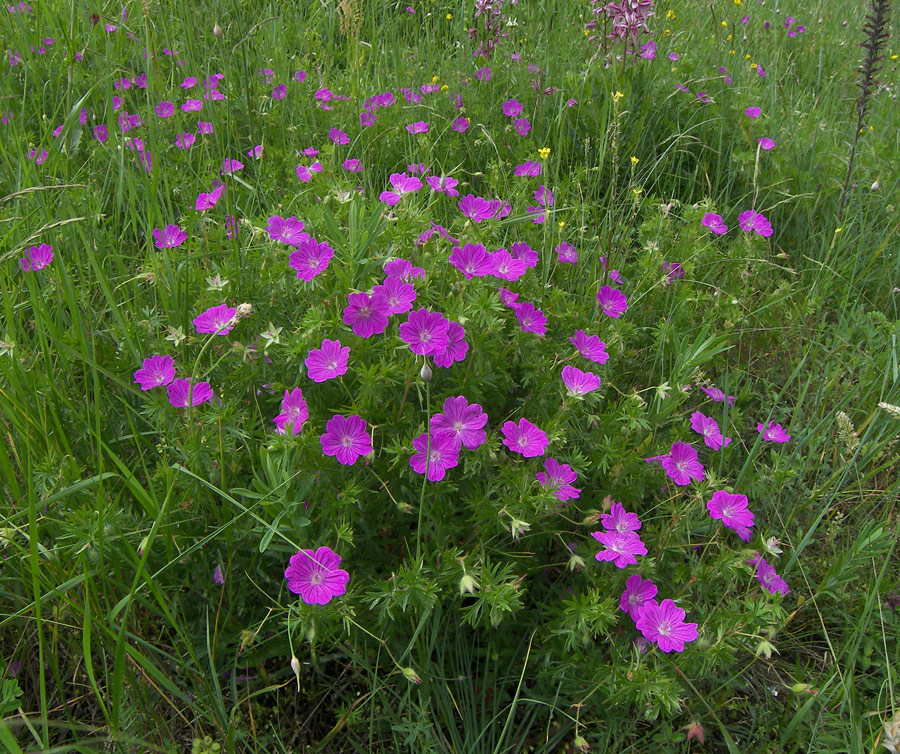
(449, 376)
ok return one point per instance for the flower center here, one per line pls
(364, 311)
(317, 577)
(664, 628)
(457, 427)
(424, 336)
(331, 365)
(346, 441)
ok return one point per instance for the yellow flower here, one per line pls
(746, 57)
(894, 57)
(729, 37)
(738, 2)
(674, 69)
(637, 191)
(724, 24)
(838, 230)
(544, 152)
(670, 13)
(586, 32)
(666, 32)
(731, 52)
(562, 223)
(634, 160)
(617, 95)
(435, 79)
(444, 87)
(449, 16)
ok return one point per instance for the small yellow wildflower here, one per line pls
(746, 57)
(634, 160)
(738, 2)
(637, 191)
(838, 230)
(670, 13)
(724, 24)
(729, 37)
(544, 152)
(586, 32)
(449, 16)
(617, 95)
(435, 79)
(894, 57)
(562, 223)
(666, 32)
(731, 52)
(674, 69)
(444, 87)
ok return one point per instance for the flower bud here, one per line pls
(581, 743)
(411, 675)
(425, 373)
(244, 310)
(467, 584)
(217, 31)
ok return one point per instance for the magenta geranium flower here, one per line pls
(709, 428)
(773, 432)
(462, 421)
(287, 230)
(638, 592)
(477, 208)
(155, 372)
(508, 297)
(681, 464)
(293, 412)
(208, 201)
(217, 319)
(311, 258)
(444, 184)
(521, 250)
(590, 347)
(713, 393)
(456, 347)
(522, 126)
(338, 136)
(754, 222)
(753, 112)
(192, 106)
(204, 128)
(185, 140)
(367, 315)
(529, 169)
(436, 454)
(765, 143)
(557, 478)
(181, 391)
(315, 576)
(506, 266)
(565, 253)
(612, 301)
(511, 108)
(472, 260)
(460, 125)
(525, 438)
(578, 382)
(169, 237)
(531, 319)
(398, 295)
(327, 362)
(425, 332)
(620, 520)
(164, 109)
(402, 184)
(664, 624)
(346, 438)
(419, 127)
(732, 511)
(36, 258)
(352, 166)
(766, 575)
(230, 166)
(715, 223)
(621, 547)
(403, 269)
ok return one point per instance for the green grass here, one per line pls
(115, 508)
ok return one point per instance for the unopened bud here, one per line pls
(581, 743)
(425, 373)
(141, 547)
(295, 666)
(411, 675)
(217, 31)
(876, 186)
(244, 310)
(576, 562)
(247, 638)
(467, 584)
(891, 740)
